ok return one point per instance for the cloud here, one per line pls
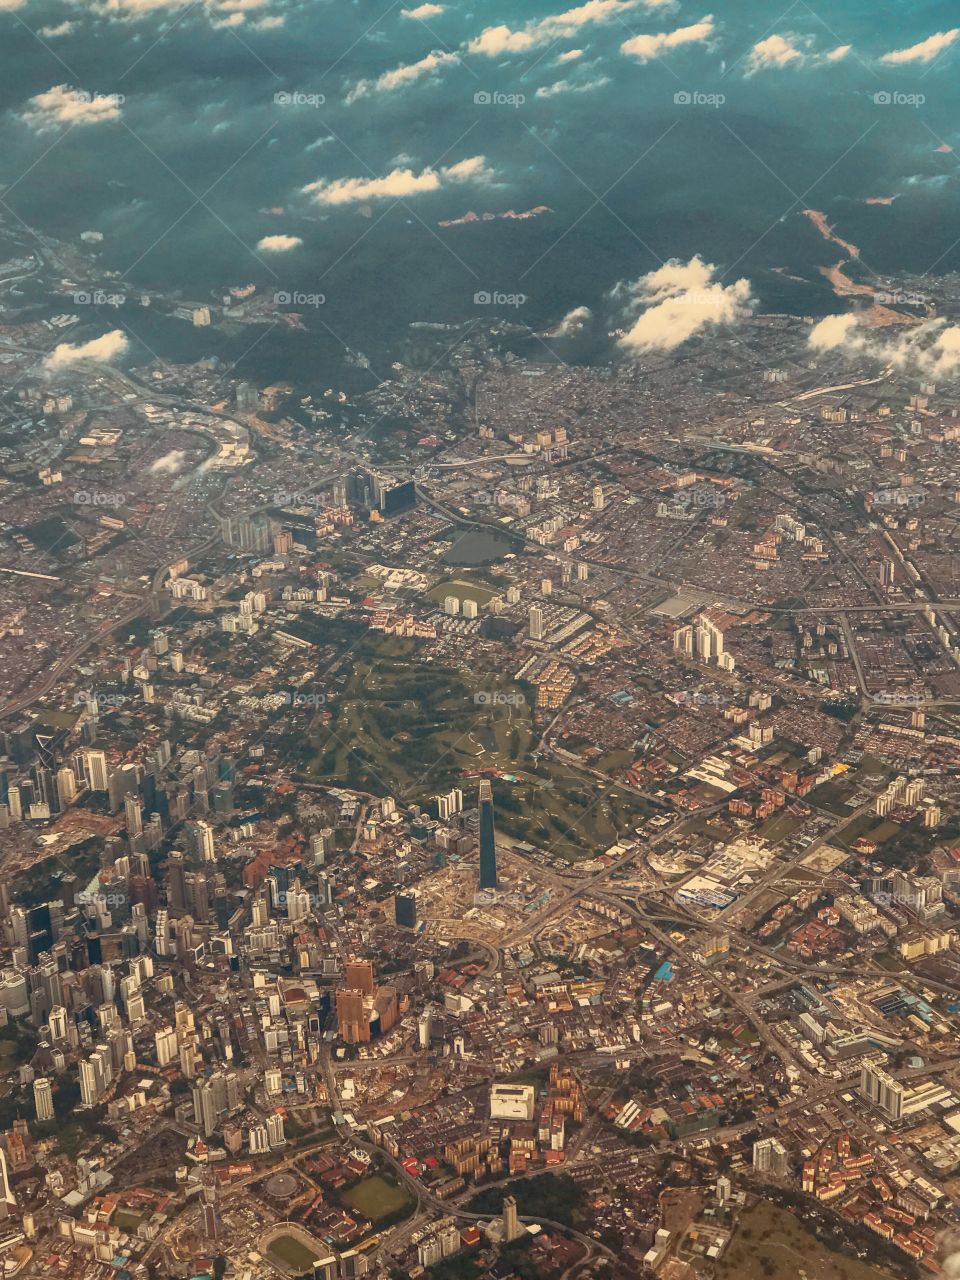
(53, 33)
(648, 47)
(931, 349)
(101, 350)
(400, 77)
(774, 52)
(835, 332)
(169, 464)
(64, 105)
(573, 323)
(423, 11)
(494, 41)
(571, 55)
(221, 13)
(279, 244)
(8, 6)
(840, 52)
(925, 51)
(678, 300)
(567, 86)
(398, 184)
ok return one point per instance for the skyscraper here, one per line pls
(488, 839)
(511, 1224)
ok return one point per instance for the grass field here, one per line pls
(770, 1244)
(404, 727)
(293, 1253)
(463, 589)
(377, 1198)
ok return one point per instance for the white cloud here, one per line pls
(678, 300)
(169, 464)
(931, 349)
(400, 77)
(560, 87)
(221, 13)
(494, 41)
(834, 332)
(840, 52)
(101, 350)
(647, 47)
(925, 51)
(398, 184)
(64, 105)
(271, 22)
(279, 244)
(423, 11)
(573, 323)
(571, 55)
(53, 33)
(774, 52)
(8, 6)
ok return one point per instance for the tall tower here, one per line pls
(511, 1225)
(488, 839)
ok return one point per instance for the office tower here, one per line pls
(358, 976)
(176, 881)
(450, 805)
(248, 533)
(488, 839)
(352, 1020)
(599, 501)
(275, 1134)
(132, 813)
(43, 1098)
(95, 769)
(211, 1217)
(511, 1223)
(770, 1156)
(405, 910)
(536, 622)
(7, 1197)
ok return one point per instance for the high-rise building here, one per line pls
(95, 767)
(770, 1156)
(511, 1223)
(488, 839)
(405, 910)
(536, 622)
(43, 1098)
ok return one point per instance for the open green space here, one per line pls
(770, 1244)
(404, 727)
(294, 1254)
(378, 1197)
(462, 588)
